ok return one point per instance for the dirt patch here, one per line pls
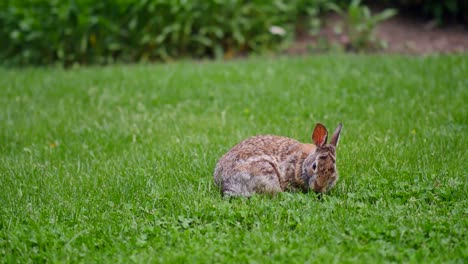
(403, 34)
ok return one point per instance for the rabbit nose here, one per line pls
(317, 187)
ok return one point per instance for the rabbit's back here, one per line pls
(262, 145)
(258, 147)
(263, 162)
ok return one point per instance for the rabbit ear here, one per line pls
(320, 134)
(336, 135)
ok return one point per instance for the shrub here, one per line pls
(441, 11)
(360, 25)
(85, 31)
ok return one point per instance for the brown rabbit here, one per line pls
(272, 164)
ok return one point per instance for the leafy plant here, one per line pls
(441, 12)
(68, 32)
(360, 24)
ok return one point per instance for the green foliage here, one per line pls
(85, 31)
(442, 11)
(114, 164)
(360, 24)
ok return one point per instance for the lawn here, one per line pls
(114, 164)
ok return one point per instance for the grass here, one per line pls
(115, 164)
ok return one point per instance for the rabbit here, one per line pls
(271, 164)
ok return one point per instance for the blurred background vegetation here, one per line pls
(67, 32)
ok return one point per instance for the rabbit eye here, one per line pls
(314, 165)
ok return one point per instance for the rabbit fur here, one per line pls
(271, 164)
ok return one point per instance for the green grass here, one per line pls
(115, 164)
